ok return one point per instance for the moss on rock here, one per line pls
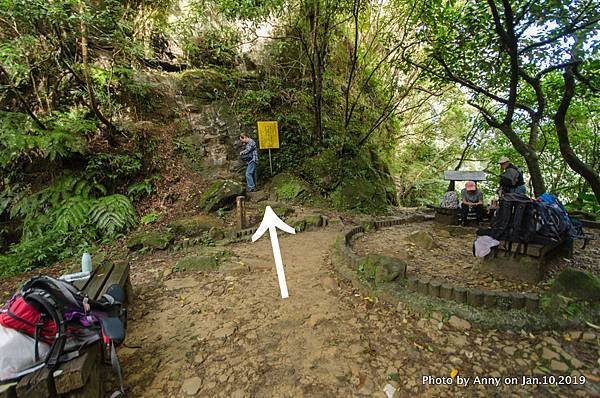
(357, 180)
(313, 220)
(153, 240)
(579, 284)
(194, 226)
(197, 263)
(422, 239)
(281, 209)
(205, 85)
(289, 187)
(382, 269)
(221, 193)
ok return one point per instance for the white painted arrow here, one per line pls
(271, 222)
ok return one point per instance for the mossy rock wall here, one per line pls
(195, 226)
(358, 181)
(205, 85)
(220, 194)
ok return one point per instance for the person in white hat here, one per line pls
(472, 197)
(511, 179)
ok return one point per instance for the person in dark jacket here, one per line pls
(249, 155)
(511, 179)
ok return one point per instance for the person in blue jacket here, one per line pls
(249, 155)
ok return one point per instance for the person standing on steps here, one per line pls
(511, 179)
(249, 155)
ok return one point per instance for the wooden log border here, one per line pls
(443, 290)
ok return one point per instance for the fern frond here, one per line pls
(113, 214)
(72, 214)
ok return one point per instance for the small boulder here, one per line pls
(258, 196)
(457, 230)
(458, 323)
(191, 386)
(313, 220)
(216, 234)
(221, 193)
(194, 226)
(233, 268)
(558, 366)
(383, 269)
(309, 221)
(152, 240)
(579, 284)
(298, 225)
(282, 210)
(197, 263)
(422, 239)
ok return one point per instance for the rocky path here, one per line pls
(220, 334)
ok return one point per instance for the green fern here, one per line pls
(55, 196)
(113, 215)
(73, 214)
(143, 188)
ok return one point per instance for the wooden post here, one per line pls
(241, 211)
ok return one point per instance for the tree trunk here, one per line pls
(86, 72)
(531, 158)
(21, 99)
(537, 180)
(318, 99)
(581, 168)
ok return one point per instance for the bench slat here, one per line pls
(8, 390)
(75, 374)
(98, 281)
(34, 385)
(119, 275)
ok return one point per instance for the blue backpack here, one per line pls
(572, 227)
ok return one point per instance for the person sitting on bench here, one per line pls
(471, 198)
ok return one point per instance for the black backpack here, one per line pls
(522, 220)
(550, 222)
(511, 220)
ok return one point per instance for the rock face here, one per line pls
(152, 240)
(422, 239)
(579, 284)
(221, 193)
(383, 269)
(194, 226)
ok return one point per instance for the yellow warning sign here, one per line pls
(268, 135)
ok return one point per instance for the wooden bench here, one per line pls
(524, 262)
(81, 377)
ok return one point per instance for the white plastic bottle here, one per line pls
(86, 262)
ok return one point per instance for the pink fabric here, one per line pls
(484, 244)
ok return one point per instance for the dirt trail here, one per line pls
(214, 334)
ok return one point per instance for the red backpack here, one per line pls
(24, 317)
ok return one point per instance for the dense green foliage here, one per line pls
(365, 93)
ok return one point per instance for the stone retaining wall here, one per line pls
(440, 288)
